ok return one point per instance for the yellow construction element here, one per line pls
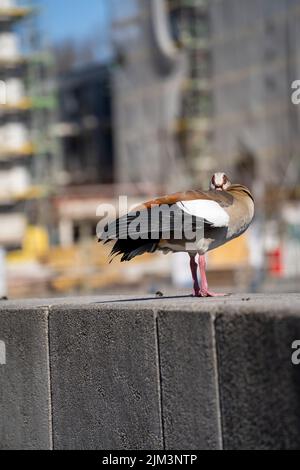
(35, 246)
(86, 267)
(25, 151)
(36, 241)
(34, 192)
(13, 62)
(233, 254)
(23, 105)
(193, 123)
(84, 255)
(80, 267)
(14, 13)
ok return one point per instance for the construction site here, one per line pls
(190, 89)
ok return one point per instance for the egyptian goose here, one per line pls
(193, 221)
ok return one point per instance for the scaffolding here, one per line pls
(147, 98)
(190, 20)
(256, 59)
(26, 112)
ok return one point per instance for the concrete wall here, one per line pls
(171, 373)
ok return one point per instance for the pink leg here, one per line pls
(204, 292)
(194, 266)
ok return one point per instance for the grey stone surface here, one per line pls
(24, 380)
(188, 369)
(104, 369)
(148, 373)
(268, 303)
(259, 385)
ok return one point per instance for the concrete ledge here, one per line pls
(25, 421)
(144, 373)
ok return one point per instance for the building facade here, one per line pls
(16, 148)
(85, 126)
(25, 143)
(191, 30)
(233, 103)
(255, 60)
(146, 91)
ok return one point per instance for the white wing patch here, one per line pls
(208, 210)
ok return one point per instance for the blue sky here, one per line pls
(62, 19)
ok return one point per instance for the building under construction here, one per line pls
(191, 30)
(163, 86)
(243, 60)
(233, 94)
(255, 60)
(147, 96)
(204, 86)
(27, 166)
(16, 148)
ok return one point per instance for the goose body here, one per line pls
(227, 215)
(194, 221)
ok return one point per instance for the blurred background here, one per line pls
(101, 98)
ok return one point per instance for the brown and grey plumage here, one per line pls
(193, 221)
